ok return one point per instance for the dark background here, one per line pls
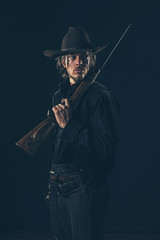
(28, 80)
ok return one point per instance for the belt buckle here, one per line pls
(53, 175)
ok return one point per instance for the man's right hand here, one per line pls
(62, 113)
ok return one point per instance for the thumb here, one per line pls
(66, 101)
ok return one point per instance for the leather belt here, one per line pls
(62, 184)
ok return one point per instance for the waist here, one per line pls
(66, 178)
(64, 168)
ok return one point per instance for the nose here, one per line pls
(78, 61)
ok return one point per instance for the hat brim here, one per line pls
(57, 53)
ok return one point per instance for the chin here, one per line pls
(78, 78)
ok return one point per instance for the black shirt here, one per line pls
(90, 137)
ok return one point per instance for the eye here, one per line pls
(72, 58)
(84, 57)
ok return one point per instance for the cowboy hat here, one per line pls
(75, 40)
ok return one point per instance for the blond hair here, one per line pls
(62, 70)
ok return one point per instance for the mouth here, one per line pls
(78, 70)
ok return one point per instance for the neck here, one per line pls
(73, 81)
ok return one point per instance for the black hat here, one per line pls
(75, 40)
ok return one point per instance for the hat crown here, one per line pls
(76, 38)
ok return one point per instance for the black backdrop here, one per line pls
(28, 81)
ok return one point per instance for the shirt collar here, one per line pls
(66, 89)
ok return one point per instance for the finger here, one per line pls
(57, 113)
(67, 102)
(62, 106)
(54, 109)
(62, 101)
(58, 108)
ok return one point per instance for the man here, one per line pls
(83, 144)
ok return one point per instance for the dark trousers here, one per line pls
(78, 215)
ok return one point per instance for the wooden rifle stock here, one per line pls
(33, 140)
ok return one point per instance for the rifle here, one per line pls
(32, 141)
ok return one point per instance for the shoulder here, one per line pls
(98, 92)
(56, 97)
(61, 92)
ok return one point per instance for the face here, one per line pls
(77, 66)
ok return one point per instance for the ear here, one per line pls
(63, 61)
